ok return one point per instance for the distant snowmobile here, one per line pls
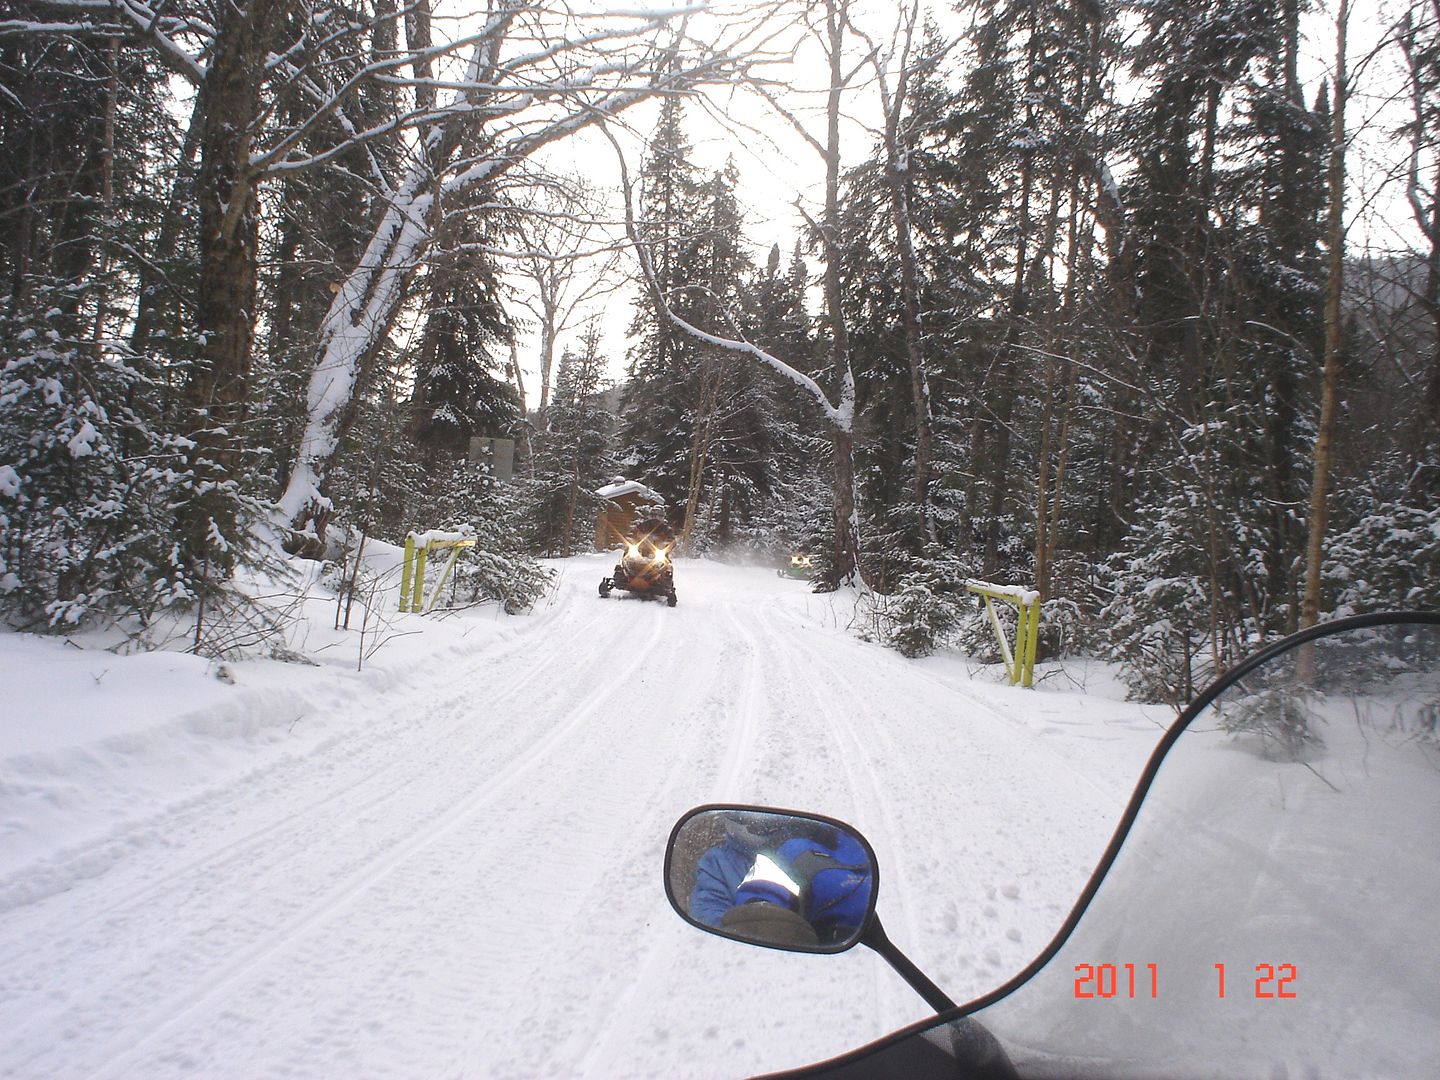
(800, 567)
(645, 568)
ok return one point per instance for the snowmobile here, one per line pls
(800, 567)
(1265, 908)
(644, 567)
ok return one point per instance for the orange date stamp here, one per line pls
(1132, 981)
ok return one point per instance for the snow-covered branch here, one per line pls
(591, 84)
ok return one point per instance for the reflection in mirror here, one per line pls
(789, 881)
(1275, 910)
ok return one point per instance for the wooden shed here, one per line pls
(622, 499)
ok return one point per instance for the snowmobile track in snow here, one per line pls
(421, 887)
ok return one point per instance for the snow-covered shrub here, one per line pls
(923, 614)
(1198, 582)
(1064, 629)
(90, 484)
(1156, 623)
(919, 619)
(1278, 717)
(1388, 558)
(513, 580)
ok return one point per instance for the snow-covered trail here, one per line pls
(468, 882)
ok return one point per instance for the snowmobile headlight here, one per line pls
(632, 550)
(662, 554)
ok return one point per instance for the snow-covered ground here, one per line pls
(449, 862)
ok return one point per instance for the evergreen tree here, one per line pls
(1226, 220)
(99, 483)
(793, 513)
(733, 439)
(90, 481)
(657, 427)
(704, 429)
(573, 452)
(458, 394)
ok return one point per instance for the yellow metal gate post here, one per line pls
(406, 572)
(412, 571)
(1019, 662)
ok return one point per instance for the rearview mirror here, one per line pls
(799, 882)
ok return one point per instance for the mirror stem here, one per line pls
(874, 936)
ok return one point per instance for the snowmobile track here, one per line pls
(333, 902)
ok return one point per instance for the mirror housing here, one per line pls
(781, 879)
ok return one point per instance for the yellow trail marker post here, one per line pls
(1019, 663)
(412, 571)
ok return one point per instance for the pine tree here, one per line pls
(99, 483)
(658, 429)
(1227, 263)
(791, 507)
(458, 393)
(90, 482)
(573, 452)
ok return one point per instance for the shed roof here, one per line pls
(621, 486)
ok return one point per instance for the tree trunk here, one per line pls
(218, 387)
(107, 182)
(568, 536)
(547, 350)
(229, 223)
(723, 527)
(1425, 438)
(847, 526)
(417, 39)
(845, 560)
(1335, 238)
(153, 293)
(700, 443)
(897, 179)
(1004, 408)
(522, 437)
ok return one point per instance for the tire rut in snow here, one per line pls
(256, 900)
(962, 833)
(191, 821)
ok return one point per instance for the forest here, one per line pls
(1136, 303)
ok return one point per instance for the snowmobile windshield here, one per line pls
(1271, 905)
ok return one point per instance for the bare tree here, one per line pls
(564, 261)
(828, 25)
(525, 91)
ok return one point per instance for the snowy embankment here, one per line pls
(449, 862)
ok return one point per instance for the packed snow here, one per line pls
(449, 861)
